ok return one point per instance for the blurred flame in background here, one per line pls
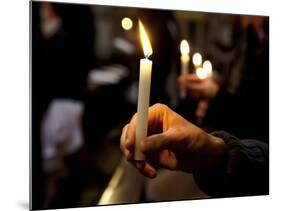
(184, 47)
(207, 66)
(127, 23)
(197, 59)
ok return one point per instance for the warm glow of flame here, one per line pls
(146, 46)
(127, 23)
(184, 47)
(197, 59)
(201, 73)
(207, 66)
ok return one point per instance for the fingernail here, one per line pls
(127, 140)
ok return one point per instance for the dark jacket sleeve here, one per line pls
(243, 171)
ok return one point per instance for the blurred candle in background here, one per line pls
(201, 73)
(206, 71)
(127, 23)
(184, 49)
(207, 66)
(144, 93)
(197, 60)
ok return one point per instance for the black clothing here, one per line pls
(244, 171)
(245, 113)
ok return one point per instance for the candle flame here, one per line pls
(147, 49)
(207, 66)
(201, 73)
(184, 47)
(197, 59)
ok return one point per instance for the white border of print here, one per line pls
(14, 109)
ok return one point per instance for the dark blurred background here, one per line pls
(85, 66)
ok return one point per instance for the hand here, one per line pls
(172, 143)
(198, 88)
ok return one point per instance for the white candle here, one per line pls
(144, 93)
(184, 48)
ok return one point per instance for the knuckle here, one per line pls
(124, 128)
(159, 106)
(134, 117)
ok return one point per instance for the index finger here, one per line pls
(123, 137)
(128, 153)
(131, 133)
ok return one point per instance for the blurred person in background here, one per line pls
(241, 92)
(66, 49)
(62, 55)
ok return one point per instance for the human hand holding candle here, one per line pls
(184, 49)
(201, 84)
(172, 143)
(144, 92)
(202, 87)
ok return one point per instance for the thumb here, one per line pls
(158, 142)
